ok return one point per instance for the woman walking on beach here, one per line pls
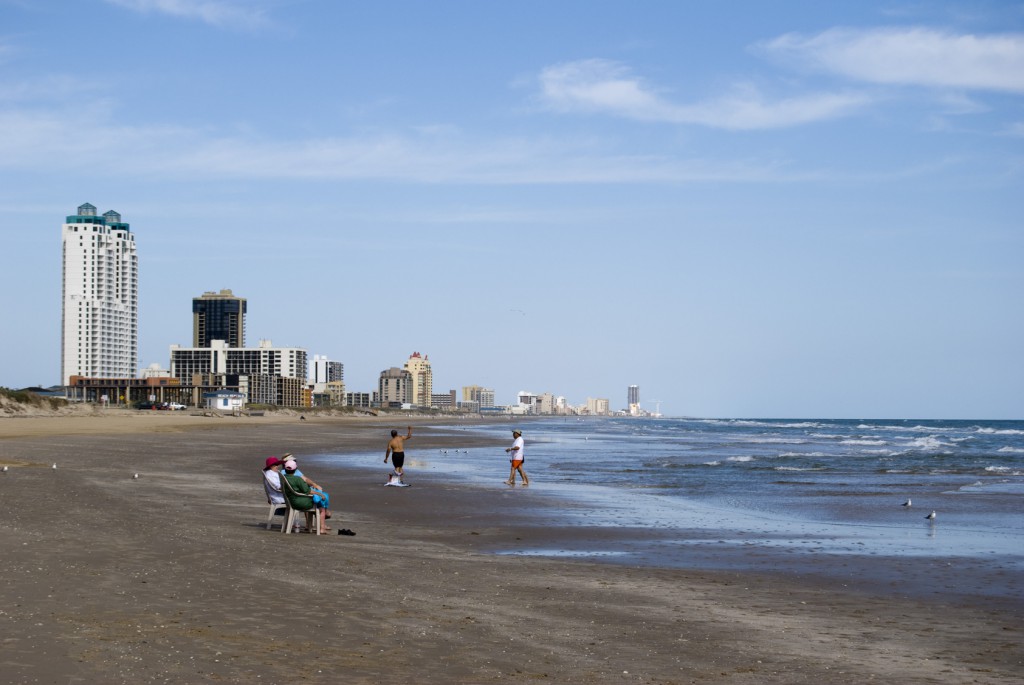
(517, 455)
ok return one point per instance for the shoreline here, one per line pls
(173, 578)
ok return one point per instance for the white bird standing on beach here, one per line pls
(54, 466)
(906, 504)
(5, 469)
(931, 516)
(136, 476)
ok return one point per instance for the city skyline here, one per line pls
(749, 210)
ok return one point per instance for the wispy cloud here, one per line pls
(87, 138)
(220, 13)
(52, 87)
(604, 86)
(909, 56)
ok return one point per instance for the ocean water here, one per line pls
(768, 494)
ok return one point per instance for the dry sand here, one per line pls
(172, 578)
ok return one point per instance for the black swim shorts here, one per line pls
(398, 458)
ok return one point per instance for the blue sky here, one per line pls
(750, 209)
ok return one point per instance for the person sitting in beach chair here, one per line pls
(313, 485)
(272, 486)
(302, 490)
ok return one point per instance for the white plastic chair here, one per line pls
(275, 507)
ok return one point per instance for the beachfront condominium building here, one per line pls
(100, 312)
(633, 400)
(418, 367)
(394, 387)
(218, 316)
(324, 370)
(219, 358)
(444, 401)
(484, 397)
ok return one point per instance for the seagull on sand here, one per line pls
(136, 476)
(931, 516)
(54, 465)
(5, 469)
(906, 504)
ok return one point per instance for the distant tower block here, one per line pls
(633, 400)
(422, 379)
(218, 316)
(100, 314)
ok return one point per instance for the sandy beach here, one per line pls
(173, 578)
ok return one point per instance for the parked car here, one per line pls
(146, 405)
(175, 406)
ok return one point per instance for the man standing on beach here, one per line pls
(517, 455)
(396, 450)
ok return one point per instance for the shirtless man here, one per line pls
(396, 450)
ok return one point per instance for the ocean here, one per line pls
(817, 496)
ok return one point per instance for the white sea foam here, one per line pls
(1011, 450)
(712, 463)
(1000, 431)
(739, 459)
(776, 441)
(761, 424)
(798, 468)
(928, 444)
(909, 429)
(804, 454)
(862, 441)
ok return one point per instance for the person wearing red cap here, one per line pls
(272, 480)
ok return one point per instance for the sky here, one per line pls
(748, 209)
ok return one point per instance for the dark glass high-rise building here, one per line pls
(218, 316)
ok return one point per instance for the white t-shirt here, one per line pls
(517, 454)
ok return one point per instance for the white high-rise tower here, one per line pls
(100, 321)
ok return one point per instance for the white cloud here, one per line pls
(603, 86)
(86, 138)
(910, 56)
(222, 13)
(55, 87)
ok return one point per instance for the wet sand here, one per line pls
(173, 578)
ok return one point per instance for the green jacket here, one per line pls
(302, 502)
